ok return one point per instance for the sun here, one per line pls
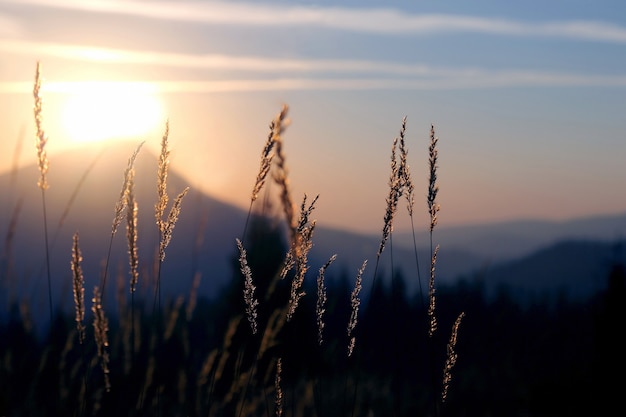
(97, 111)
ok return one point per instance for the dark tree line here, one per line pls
(550, 357)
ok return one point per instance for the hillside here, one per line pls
(519, 253)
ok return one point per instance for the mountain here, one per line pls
(575, 269)
(86, 183)
(495, 242)
(353, 248)
(203, 239)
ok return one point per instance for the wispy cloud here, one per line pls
(279, 73)
(368, 20)
(255, 64)
(477, 81)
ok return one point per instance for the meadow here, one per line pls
(294, 339)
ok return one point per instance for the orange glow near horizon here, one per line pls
(96, 111)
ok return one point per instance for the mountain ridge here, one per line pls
(204, 238)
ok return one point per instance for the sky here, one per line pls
(527, 98)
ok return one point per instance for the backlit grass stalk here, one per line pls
(433, 209)
(298, 254)
(131, 234)
(451, 357)
(281, 177)
(297, 257)
(272, 147)
(395, 192)
(355, 302)
(404, 173)
(249, 288)
(101, 329)
(320, 310)
(320, 306)
(399, 180)
(78, 286)
(278, 389)
(277, 126)
(42, 162)
(165, 224)
(133, 257)
(120, 212)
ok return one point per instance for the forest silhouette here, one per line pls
(550, 356)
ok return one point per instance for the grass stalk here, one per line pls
(267, 156)
(78, 286)
(433, 210)
(166, 228)
(42, 183)
(120, 212)
(133, 258)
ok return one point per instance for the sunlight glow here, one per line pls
(98, 111)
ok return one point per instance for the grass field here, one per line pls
(283, 338)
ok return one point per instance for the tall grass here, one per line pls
(42, 162)
(253, 371)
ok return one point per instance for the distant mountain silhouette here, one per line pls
(495, 242)
(204, 237)
(91, 214)
(353, 248)
(575, 269)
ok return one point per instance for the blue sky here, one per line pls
(527, 98)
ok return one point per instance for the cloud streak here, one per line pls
(279, 74)
(255, 64)
(366, 20)
(477, 81)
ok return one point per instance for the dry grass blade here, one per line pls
(249, 288)
(320, 306)
(166, 226)
(392, 199)
(279, 392)
(281, 175)
(355, 302)
(451, 357)
(78, 286)
(101, 329)
(267, 155)
(277, 126)
(42, 162)
(161, 205)
(433, 188)
(131, 233)
(170, 223)
(120, 208)
(122, 201)
(299, 252)
(42, 139)
(404, 172)
(431, 295)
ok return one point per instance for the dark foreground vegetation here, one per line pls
(550, 358)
